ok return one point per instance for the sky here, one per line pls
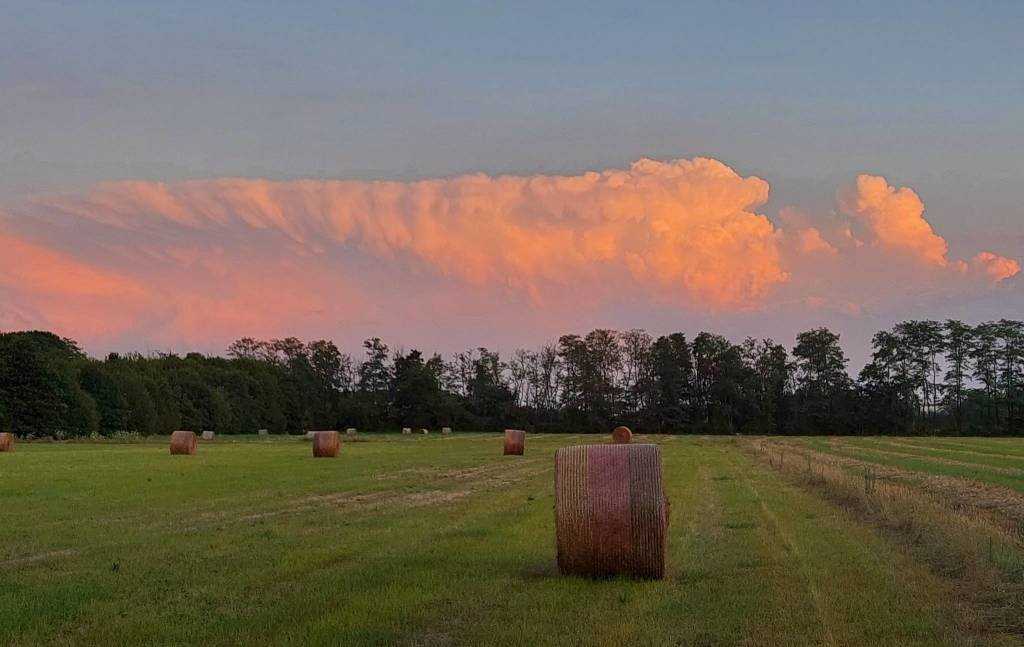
(446, 175)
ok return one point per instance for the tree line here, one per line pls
(924, 377)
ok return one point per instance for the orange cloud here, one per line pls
(686, 228)
(215, 259)
(997, 268)
(894, 218)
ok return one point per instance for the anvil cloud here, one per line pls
(210, 260)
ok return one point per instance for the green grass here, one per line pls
(933, 456)
(425, 541)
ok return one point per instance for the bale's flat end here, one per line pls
(183, 443)
(515, 442)
(326, 444)
(622, 435)
(611, 512)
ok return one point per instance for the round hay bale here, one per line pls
(515, 442)
(351, 431)
(208, 435)
(183, 442)
(424, 431)
(6, 442)
(611, 512)
(446, 430)
(326, 444)
(406, 431)
(622, 435)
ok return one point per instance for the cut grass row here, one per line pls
(1007, 472)
(413, 543)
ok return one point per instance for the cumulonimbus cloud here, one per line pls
(224, 257)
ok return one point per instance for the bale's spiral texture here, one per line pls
(622, 435)
(208, 435)
(610, 511)
(515, 442)
(6, 442)
(326, 444)
(183, 442)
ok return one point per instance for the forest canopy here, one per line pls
(924, 377)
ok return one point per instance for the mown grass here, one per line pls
(921, 456)
(426, 541)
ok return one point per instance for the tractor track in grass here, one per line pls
(813, 590)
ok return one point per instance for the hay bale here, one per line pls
(183, 442)
(406, 431)
(515, 442)
(351, 431)
(622, 435)
(424, 431)
(262, 432)
(310, 435)
(208, 435)
(611, 512)
(326, 444)
(6, 442)
(446, 430)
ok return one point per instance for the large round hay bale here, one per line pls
(515, 442)
(6, 442)
(611, 512)
(326, 444)
(183, 442)
(622, 435)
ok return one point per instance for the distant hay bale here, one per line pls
(446, 430)
(183, 442)
(208, 435)
(351, 431)
(611, 512)
(424, 431)
(622, 435)
(262, 432)
(6, 442)
(326, 444)
(406, 431)
(515, 442)
(310, 435)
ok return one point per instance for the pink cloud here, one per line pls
(215, 259)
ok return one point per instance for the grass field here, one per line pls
(444, 541)
(996, 461)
